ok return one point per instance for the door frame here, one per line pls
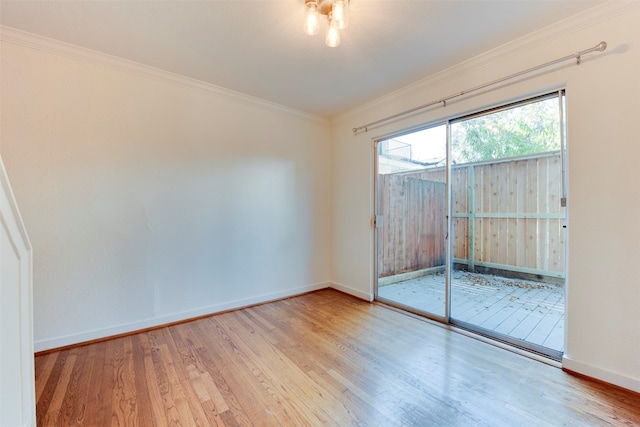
(376, 222)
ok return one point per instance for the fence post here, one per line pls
(471, 218)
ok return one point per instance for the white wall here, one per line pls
(17, 388)
(150, 198)
(603, 96)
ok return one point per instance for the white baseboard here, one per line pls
(601, 374)
(58, 342)
(351, 291)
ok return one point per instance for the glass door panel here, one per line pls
(508, 217)
(411, 221)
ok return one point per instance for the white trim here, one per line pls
(11, 221)
(14, 215)
(352, 291)
(601, 374)
(58, 342)
(34, 41)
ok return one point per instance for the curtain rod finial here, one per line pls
(602, 46)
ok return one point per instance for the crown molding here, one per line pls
(34, 41)
(543, 36)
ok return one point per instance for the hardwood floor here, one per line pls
(322, 358)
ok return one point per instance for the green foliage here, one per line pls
(527, 129)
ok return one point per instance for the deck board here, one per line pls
(521, 309)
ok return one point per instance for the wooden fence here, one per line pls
(506, 216)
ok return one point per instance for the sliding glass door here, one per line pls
(509, 240)
(501, 193)
(411, 220)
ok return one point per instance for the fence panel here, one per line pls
(411, 237)
(506, 215)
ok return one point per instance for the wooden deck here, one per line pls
(522, 309)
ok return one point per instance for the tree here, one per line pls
(526, 129)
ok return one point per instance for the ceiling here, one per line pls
(257, 47)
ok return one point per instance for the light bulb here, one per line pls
(340, 12)
(333, 34)
(311, 18)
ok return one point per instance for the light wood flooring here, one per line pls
(320, 359)
(522, 309)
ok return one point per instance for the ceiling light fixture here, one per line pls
(337, 13)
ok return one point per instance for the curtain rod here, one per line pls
(600, 47)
